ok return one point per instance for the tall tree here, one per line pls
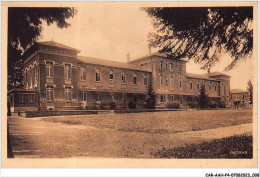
(203, 33)
(24, 28)
(150, 100)
(203, 98)
(250, 90)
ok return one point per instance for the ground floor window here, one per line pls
(98, 97)
(30, 97)
(21, 98)
(112, 96)
(49, 93)
(162, 98)
(83, 96)
(135, 98)
(124, 97)
(68, 94)
(172, 98)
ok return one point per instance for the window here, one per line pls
(83, 74)
(180, 82)
(35, 73)
(172, 98)
(98, 75)
(30, 98)
(49, 69)
(161, 65)
(134, 79)
(49, 93)
(21, 97)
(166, 81)
(112, 96)
(198, 85)
(166, 66)
(230, 96)
(83, 96)
(210, 88)
(191, 85)
(171, 66)
(172, 81)
(123, 78)
(162, 98)
(135, 98)
(145, 79)
(180, 68)
(67, 71)
(161, 79)
(31, 84)
(68, 93)
(215, 87)
(98, 97)
(124, 97)
(111, 77)
(243, 96)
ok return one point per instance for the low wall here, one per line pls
(55, 113)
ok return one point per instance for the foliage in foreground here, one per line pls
(230, 147)
(203, 33)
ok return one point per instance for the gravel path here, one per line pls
(34, 138)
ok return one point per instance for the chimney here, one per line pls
(128, 57)
(208, 71)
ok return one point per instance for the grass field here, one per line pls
(161, 122)
(232, 147)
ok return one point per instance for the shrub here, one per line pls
(194, 105)
(131, 105)
(112, 105)
(222, 104)
(173, 105)
(212, 104)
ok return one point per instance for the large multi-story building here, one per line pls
(56, 78)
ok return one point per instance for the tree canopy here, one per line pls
(24, 28)
(250, 90)
(203, 33)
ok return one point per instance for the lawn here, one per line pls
(161, 122)
(231, 147)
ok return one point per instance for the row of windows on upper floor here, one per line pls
(83, 75)
(162, 83)
(171, 68)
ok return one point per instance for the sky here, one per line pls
(114, 30)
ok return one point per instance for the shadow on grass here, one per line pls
(231, 147)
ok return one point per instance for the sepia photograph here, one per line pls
(153, 83)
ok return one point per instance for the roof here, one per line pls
(238, 91)
(217, 74)
(155, 54)
(115, 64)
(200, 76)
(22, 90)
(57, 45)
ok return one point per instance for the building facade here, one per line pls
(239, 98)
(62, 80)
